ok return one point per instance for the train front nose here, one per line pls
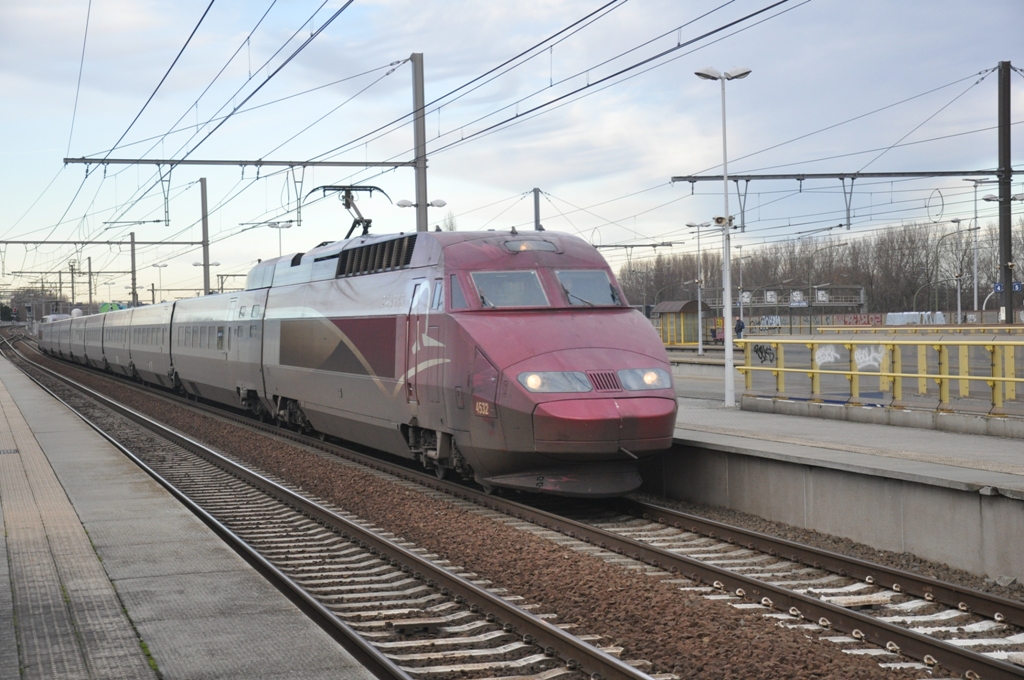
(602, 428)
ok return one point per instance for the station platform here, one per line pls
(951, 498)
(103, 574)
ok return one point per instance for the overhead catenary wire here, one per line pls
(587, 90)
(266, 80)
(81, 65)
(158, 85)
(511, 60)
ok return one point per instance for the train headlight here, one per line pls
(645, 379)
(551, 381)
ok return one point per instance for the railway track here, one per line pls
(988, 626)
(867, 608)
(404, 613)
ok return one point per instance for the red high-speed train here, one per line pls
(509, 358)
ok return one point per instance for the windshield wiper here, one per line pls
(485, 302)
(615, 295)
(588, 303)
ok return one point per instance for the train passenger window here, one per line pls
(241, 312)
(163, 336)
(458, 299)
(195, 335)
(188, 336)
(438, 300)
(588, 288)
(220, 337)
(509, 289)
(255, 312)
(210, 337)
(252, 331)
(204, 337)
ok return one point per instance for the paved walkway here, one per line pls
(963, 461)
(98, 560)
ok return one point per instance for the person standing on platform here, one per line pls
(739, 328)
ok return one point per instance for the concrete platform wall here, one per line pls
(960, 423)
(971, 531)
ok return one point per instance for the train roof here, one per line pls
(461, 250)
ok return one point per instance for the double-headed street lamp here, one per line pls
(709, 73)
(977, 182)
(1006, 263)
(160, 271)
(279, 226)
(959, 268)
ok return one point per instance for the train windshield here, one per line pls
(588, 288)
(509, 289)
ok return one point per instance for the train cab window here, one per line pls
(458, 299)
(241, 312)
(588, 288)
(437, 302)
(220, 337)
(509, 289)
(255, 314)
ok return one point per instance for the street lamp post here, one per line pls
(160, 272)
(1006, 264)
(700, 284)
(279, 226)
(206, 266)
(739, 262)
(810, 273)
(709, 73)
(960, 273)
(983, 180)
(753, 295)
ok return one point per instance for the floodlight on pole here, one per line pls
(709, 73)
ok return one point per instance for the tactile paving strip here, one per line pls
(69, 620)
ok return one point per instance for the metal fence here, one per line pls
(949, 372)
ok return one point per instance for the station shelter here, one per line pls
(676, 321)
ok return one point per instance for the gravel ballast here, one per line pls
(677, 632)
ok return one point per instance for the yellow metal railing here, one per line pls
(884, 359)
(1010, 329)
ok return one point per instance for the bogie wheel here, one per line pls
(442, 472)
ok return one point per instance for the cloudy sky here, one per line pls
(598, 116)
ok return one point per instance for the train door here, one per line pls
(435, 348)
(232, 322)
(414, 328)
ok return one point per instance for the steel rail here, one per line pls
(930, 650)
(375, 661)
(880, 633)
(578, 655)
(957, 597)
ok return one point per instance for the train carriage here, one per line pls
(149, 348)
(335, 345)
(116, 342)
(94, 340)
(77, 338)
(63, 332)
(216, 346)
